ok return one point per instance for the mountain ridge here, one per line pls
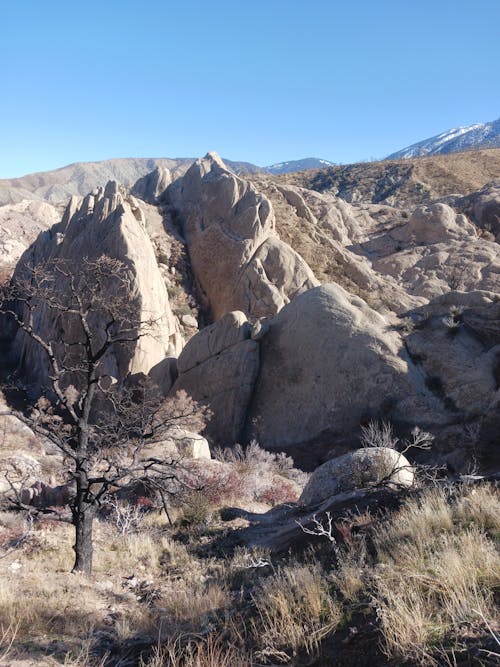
(477, 136)
(79, 178)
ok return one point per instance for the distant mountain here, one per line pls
(482, 135)
(297, 165)
(80, 178)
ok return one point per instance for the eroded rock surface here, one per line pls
(236, 256)
(103, 223)
(218, 368)
(328, 362)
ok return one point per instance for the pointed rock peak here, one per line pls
(111, 189)
(215, 159)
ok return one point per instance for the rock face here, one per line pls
(328, 362)
(149, 188)
(104, 224)
(236, 256)
(435, 251)
(20, 224)
(484, 208)
(357, 470)
(218, 368)
(457, 343)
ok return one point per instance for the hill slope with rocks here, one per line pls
(355, 340)
(405, 183)
(346, 311)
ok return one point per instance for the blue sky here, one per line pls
(255, 81)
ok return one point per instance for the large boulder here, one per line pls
(434, 224)
(218, 368)
(237, 259)
(328, 362)
(357, 470)
(149, 188)
(103, 223)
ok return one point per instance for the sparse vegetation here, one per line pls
(425, 577)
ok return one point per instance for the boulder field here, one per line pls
(315, 315)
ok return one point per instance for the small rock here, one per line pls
(189, 321)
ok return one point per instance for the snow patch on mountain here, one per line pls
(298, 165)
(480, 135)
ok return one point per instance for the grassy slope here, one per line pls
(415, 587)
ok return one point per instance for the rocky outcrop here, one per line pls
(20, 224)
(457, 343)
(436, 223)
(149, 188)
(236, 256)
(45, 495)
(483, 208)
(434, 251)
(327, 231)
(328, 362)
(218, 368)
(103, 223)
(357, 470)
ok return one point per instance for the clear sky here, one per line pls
(263, 82)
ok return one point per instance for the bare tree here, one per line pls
(102, 428)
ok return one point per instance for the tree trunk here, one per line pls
(83, 519)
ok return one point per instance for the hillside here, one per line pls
(82, 177)
(472, 137)
(405, 183)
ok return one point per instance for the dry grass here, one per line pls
(432, 571)
(480, 506)
(418, 525)
(198, 652)
(437, 569)
(295, 609)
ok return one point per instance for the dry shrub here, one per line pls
(279, 490)
(262, 476)
(435, 575)
(255, 459)
(295, 609)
